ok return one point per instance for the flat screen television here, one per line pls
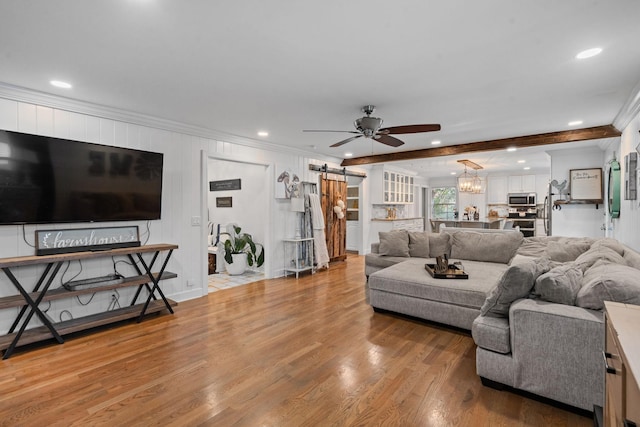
(46, 180)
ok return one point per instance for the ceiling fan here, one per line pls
(369, 127)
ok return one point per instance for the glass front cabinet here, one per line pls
(397, 188)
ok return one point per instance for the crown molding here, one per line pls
(629, 110)
(31, 96)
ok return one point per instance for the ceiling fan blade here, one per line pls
(341, 131)
(388, 140)
(344, 141)
(409, 129)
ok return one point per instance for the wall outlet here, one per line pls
(195, 221)
(190, 283)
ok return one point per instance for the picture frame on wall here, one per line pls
(587, 185)
(287, 184)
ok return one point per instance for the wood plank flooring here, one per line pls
(282, 352)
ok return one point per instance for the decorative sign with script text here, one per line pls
(86, 239)
(586, 184)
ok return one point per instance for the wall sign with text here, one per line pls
(86, 239)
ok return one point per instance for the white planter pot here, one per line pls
(239, 264)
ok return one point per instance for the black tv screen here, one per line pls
(50, 180)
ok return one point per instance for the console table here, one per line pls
(41, 292)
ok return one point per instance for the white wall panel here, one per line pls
(93, 129)
(44, 120)
(8, 114)
(77, 127)
(27, 118)
(576, 220)
(61, 124)
(107, 132)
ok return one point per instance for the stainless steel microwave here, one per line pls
(522, 199)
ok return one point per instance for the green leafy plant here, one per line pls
(239, 243)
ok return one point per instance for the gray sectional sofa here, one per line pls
(533, 305)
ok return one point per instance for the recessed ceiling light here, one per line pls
(522, 161)
(526, 168)
(589, 53)
(263, 133)
(436, 142)
(60, 84)
(511, 149)
(575, 123)
(348, 154)
(453, 173)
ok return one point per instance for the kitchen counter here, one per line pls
(488, 222)
(397, 219)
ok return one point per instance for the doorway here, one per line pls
(243, 204)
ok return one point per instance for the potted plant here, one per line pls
(240, 250)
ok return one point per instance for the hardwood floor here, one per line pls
(283, 352)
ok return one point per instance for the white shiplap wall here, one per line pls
(181, 200)
(184, 195)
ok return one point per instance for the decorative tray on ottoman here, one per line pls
(454, 271)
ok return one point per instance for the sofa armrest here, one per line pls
(562, 344)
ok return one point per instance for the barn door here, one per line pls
(335, 228)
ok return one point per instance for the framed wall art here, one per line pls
(586, 184)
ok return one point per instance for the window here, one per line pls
(443, 203)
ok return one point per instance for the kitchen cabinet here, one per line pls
(390, 187)
(497, 190)
(522, 183)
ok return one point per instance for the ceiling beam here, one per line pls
(598, 132)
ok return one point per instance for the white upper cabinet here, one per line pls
(391, 187)
(497, 190)
(522, 184)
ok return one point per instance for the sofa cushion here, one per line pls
(566, 250)
(492, 333)
(608, 282)
(439, 244)
(419, 244)
(376, 260)
(560, 284)
(394, 243)
(516, 282)
(490, 247)
(597, 253)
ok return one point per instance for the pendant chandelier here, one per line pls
(470, 183)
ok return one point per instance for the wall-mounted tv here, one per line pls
(47, 180)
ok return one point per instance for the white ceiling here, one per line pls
(483, 70)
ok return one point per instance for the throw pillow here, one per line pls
(489, 247)
(394, 243)
(516, 282)
(565, 251)
(589, 258)
(632, 258)
(439, 244)
(608, 242)
(419, 244)
(560, 284)
(608, 282)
